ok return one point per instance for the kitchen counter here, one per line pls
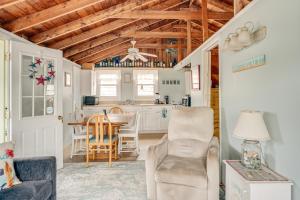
(154, 117)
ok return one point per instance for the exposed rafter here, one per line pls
(92, 30)
(115, 35)
(181, 15)
(89, 20)
(7, 3)
(48, 14)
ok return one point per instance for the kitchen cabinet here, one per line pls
(88, 84)
(151, 119)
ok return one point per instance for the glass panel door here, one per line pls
(37, 86)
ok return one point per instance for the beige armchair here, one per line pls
(185, 164)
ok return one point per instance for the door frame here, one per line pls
(6, 97)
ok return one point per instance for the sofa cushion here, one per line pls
(8, 176)
(28, 190)
(182, 171)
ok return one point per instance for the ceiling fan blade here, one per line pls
(125, 58)
(148, 54)
(138, 56)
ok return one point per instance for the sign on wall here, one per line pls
(251, 63)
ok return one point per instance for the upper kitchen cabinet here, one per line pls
(88, 83)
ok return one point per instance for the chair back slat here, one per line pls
(97, 122)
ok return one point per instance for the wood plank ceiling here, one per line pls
(88, 31)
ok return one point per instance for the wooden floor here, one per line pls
(145, 141)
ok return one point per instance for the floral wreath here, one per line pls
(40, 78)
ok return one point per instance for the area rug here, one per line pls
(122, 181)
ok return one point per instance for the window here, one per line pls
(37, 97)
(145, 83)
(109, 85)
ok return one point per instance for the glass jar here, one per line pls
(251, 154)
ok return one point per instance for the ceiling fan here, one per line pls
(135, 54)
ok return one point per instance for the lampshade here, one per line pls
(251, 126)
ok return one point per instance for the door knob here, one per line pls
(60, 118)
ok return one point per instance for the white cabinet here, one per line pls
(88, 83)
(151, 119)
(165, 117)
(262, 185)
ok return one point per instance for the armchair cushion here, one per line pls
(28, 190)
(191, 123)
(182, 171)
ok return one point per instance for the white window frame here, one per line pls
(118, 85)
(135, 85)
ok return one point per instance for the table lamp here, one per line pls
(252, 129)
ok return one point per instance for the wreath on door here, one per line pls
(41, 78)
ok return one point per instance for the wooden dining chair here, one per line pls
(100, 142)
(116, 110)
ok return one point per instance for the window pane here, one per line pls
(38, 90)
(145, 90)
(27, 86)
(26, 62)
(26, 107)
(49, 105)
(38, 106)
(145, 79)
(108, 90)
(109, 79)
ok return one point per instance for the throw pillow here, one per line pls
(7, 172)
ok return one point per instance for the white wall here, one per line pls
(175, 92)
(273, 88)
(197, 96)
(71, 98)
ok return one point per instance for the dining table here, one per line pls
(116, 120)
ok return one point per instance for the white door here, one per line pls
(36, 109)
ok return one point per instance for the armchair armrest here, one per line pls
(155, 155)
(213, 170)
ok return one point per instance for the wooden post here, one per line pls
(204, 19)
(179, 50)
(189, 37)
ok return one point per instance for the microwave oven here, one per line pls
(90, 100)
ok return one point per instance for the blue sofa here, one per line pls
(38, 177)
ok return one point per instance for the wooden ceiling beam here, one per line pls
(93, 53)
(7, 3)
(89, 20)
(101, 30)
(48, 14)
(106, 53)
(181, 15)
(221, 5)
(84, 36)
(94, 50)
(157, 34)
(170, 4)
(205, 17)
